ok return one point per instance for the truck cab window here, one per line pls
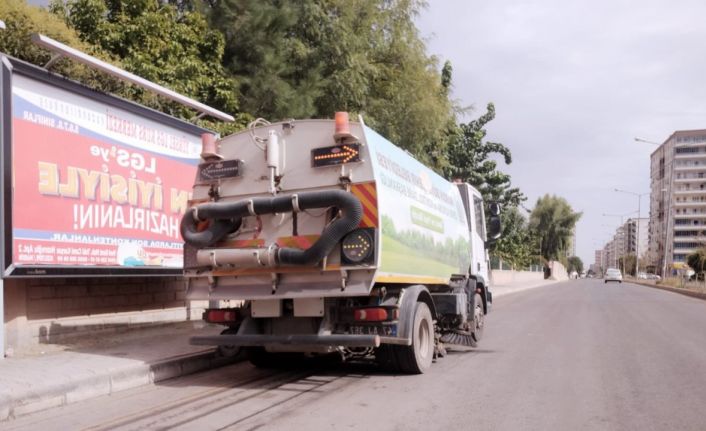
(478, 210)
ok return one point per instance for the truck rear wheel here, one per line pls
(417, 358)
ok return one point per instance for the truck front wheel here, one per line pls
(478, 318)
(417, 358)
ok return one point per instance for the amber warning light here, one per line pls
(336, 155)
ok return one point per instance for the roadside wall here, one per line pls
(52, 310)
(506, 277)
(558, 271)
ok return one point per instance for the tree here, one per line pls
(469, 159)
(22, 20)
(575, 264)
(697, 261)
(311, 58)
(553, 221)
(158, 42)
(627, 264)
(517, 245)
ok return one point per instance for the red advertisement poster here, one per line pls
(95, 185)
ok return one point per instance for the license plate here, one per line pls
(386, 331)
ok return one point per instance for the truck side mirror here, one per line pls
(494, 209)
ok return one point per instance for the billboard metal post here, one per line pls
(63, 50)
(2, 319)
(5, 135)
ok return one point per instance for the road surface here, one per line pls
(578, 355)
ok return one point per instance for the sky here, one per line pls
(573, 83)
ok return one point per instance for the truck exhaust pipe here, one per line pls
(225, 217)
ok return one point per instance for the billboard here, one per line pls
(97, 184)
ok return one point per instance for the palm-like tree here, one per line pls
(553, 222)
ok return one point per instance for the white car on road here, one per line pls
(613, 274)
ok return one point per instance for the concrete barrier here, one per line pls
(558, 271)
(506, 277)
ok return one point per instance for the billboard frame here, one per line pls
(10, 66)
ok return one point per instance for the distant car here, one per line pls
(642, 275)
(613, 274)
(653, 277)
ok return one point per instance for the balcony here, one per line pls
(690, 216)
(691, 192)
(689, 226)
(690, 156)
(685, 250)
(696, 168)
(690, 204)
(689, 180)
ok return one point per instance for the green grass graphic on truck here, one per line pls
(414, 252)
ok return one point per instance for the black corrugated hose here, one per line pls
(224, 217)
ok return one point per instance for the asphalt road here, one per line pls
(578, 355)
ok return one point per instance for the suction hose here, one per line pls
(224, 218)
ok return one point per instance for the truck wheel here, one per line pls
(386, 358)
(478, 318)
(228, 351)
(416, 359)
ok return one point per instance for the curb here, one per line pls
(685, 292)
(19, 403)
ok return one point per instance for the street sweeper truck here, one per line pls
(320, 236)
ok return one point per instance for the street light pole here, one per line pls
(646, 141)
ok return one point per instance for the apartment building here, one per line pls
(677, 223)
(610, 257)
(598, 259)
(637, 230)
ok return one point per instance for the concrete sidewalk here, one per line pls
(507, 289)
(103, 366)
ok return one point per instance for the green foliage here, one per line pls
(311, 58)
(517, 245)
(553, 222)
(22, 20)
(469, 159)
(275, 59)
(156, 41)
(697, 260)
(627, 264)
(575, 264)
